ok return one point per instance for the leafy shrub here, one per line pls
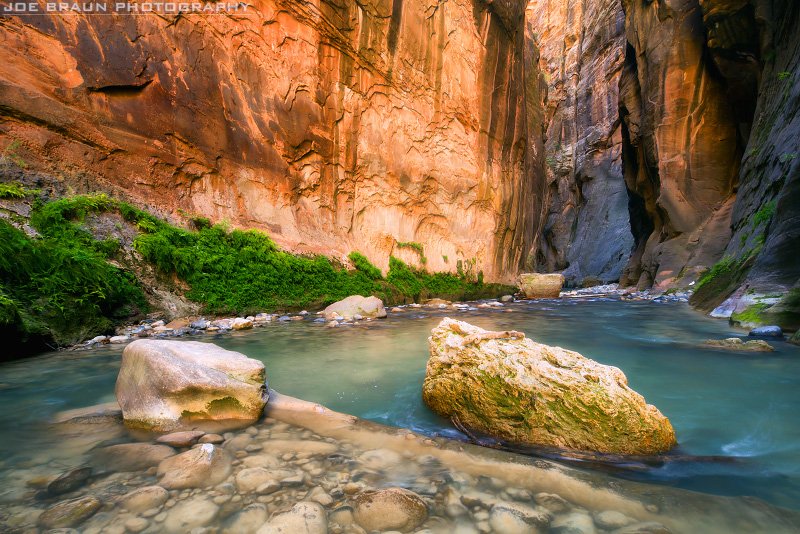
(361, 263)
(13, 190)
(765, 214)
(229, 271)
(58, 288)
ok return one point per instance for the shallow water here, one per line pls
(739, 406)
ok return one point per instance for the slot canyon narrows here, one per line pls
(430, 266)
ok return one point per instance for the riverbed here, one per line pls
(735, 414)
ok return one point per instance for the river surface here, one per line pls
(742, 409)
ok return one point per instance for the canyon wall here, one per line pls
(333, 126)
(587, 231)
(683, 144)
(709, 101)
(763, 252)
(709, 98)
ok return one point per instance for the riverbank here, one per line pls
(200, 325)
(301, 452)
(85, 264)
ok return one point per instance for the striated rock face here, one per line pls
(587, 230)
(504, 385)
(682, 143)
(334, 126)
(766, 215)
(709, 100)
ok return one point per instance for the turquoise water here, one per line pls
(741, 407)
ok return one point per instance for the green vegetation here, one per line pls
(61, 286)
(784, 75)
(416, 247)
(751, 315)
(765, 214)
(361, 263)
(58, 289)
(721, 268)
(787, 157)
(15, 190)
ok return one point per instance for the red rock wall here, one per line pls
(332, 126)
(684, 147)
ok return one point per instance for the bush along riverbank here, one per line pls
(76, 267)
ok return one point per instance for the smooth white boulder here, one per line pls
(165, 385)
(357, 305)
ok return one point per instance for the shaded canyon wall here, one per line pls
(587, 230)
(709, 101)
(333, 126)
(671, 142)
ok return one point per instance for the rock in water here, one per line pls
(357, 305)
(69, 481)
(203, 466)
(795, 339)
(389, 509)
(504, 385)
(734, 343)
(164, 384)
(303, 518)
(767, 331)
(541, 286)
(144, 498)
(69, 513)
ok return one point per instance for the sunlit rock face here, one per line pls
(334, 126)
(683, 143)
(582, 47)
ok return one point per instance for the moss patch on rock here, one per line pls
(503, 385)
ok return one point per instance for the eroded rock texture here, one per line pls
(709, 103)
(582, 46)
(334, 126)
(683, 143)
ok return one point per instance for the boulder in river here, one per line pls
(734, 343)
(507, 386)
(389, 509)
(69, 513)
(203, 466)
(541, 286)
(163, 385)
(303, 518)
(357, 305)
(772, 331)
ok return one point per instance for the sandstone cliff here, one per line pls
(587, 231)
(334, 126)
(709, 101)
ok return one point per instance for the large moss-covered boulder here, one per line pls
(507, 386)
(541, 286)
(164, 385)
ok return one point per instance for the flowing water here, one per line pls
(737, 411)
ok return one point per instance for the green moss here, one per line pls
(751, 315)
(765, 214)
(717, 283)
(721, 268)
